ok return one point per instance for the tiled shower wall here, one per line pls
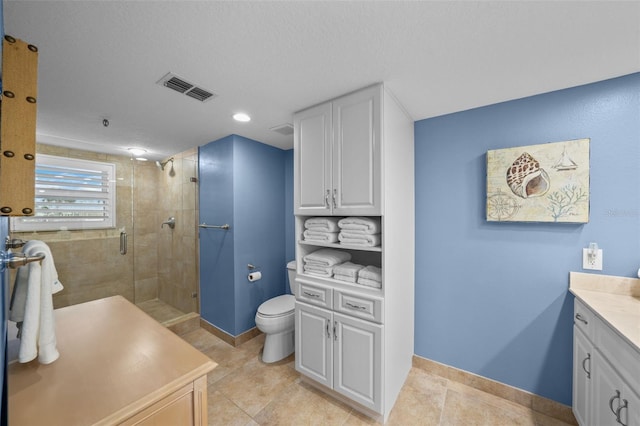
(160, 263)
(177, 249)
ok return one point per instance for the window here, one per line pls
(71, 194)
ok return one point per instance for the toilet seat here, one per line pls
(278, 306)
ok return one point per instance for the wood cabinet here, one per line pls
(354, 157)
(117, 366)
(338, 156)
(340, 352)
(605, 373)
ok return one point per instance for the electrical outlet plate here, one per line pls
(593, 264)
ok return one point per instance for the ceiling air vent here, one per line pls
(284, 129)
(181, 85)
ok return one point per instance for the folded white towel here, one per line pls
(354, 239)
(326, 272)
(361, 225)
(327, 257)
(346, 278)
(371, 272)
(322, 236)
(327, 224)
(369, 283)
(347, 269)
(32, 305)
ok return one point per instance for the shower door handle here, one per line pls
(123, 243)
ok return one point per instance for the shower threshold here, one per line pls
(169, 316)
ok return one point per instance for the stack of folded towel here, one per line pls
(370, 276)
(347, 272)
(321, 262)
(360, 231)
(321, 229)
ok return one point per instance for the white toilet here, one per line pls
(276, 319)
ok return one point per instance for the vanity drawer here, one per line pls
(584, 319)
(358, 305)
(313, 293)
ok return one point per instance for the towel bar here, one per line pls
(204, 225)
(16, 260)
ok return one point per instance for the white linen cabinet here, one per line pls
(354, 157)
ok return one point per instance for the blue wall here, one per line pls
(491, 298)
(241, 183)
(289, 219)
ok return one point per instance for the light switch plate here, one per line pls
(596, 264)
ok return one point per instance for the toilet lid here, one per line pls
(277, 306)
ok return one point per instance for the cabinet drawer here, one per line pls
(358, 305)
(622, 356)
(313, 293)
(584, 319)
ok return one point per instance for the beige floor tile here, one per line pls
(301, 404)
(223, 412)
(201, 339)
(420, 401)
(255, 384)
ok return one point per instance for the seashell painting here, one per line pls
(525, 184)
(526, 178)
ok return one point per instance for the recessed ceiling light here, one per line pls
(136, 151)
(242, 117)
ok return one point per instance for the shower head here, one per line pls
(161, 165)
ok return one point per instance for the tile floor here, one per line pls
(243, 390)
(159, 310)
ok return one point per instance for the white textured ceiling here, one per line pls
(102, 59)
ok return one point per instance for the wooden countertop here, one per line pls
(114, 361)
(616, 300)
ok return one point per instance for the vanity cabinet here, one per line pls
(605, 373)
(338, 156)
(354, 157)
(340, 352)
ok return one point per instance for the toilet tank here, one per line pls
(291, 270)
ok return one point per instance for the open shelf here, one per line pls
(340, 246)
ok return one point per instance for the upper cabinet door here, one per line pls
(357, 131)
(312, 165)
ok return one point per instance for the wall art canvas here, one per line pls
(539, 183)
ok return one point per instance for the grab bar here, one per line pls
(204, 225)
(16, 260)
(123, 243)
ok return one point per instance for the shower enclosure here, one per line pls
(151, 265)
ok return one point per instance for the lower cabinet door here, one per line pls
(314, 330)
(611, 398)
(582, 350)
(357, 356)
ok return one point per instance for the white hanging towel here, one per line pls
(32, 305)
(361, 225)
(326, 224)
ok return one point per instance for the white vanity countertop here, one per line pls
(616, 300)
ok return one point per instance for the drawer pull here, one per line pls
(306, 293)
(584, 367)
(352, 306)
(619, 410)
(580, 318)
(613, 398)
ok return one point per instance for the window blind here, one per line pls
(71, 194)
